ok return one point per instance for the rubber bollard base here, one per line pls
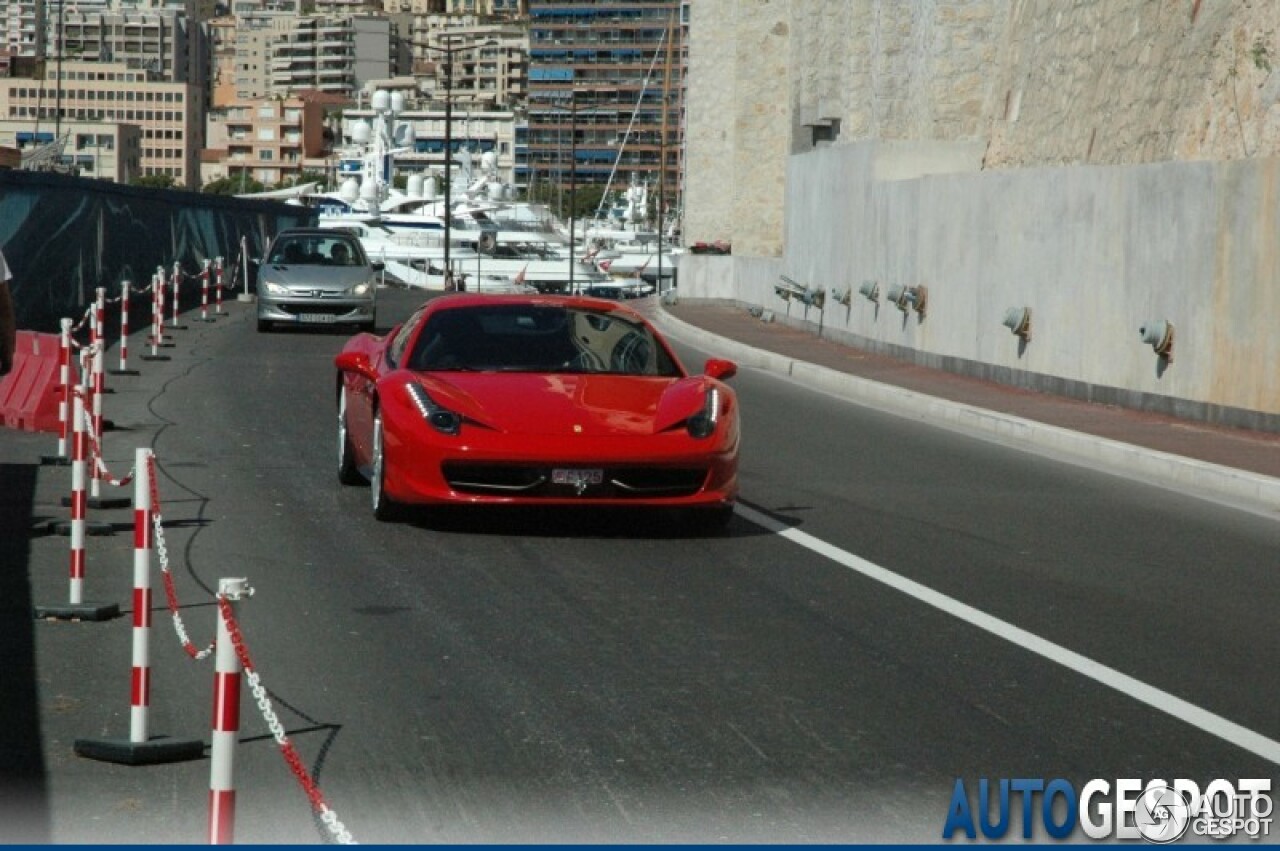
(156, 750)
(123, 372)
(55, 461)
(78, 612)
(244, 297)
(156, 357)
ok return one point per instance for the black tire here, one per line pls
(385, 508)
(348, 474)
(263, 326)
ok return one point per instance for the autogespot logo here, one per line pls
(1156, 811)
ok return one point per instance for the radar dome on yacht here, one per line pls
(405, 135)
(397, 101)
(431, 188)
(495, 192)
(350, 190)
(380, 101)
(489, 161)
(414, 185)
(361, 132)
(369, 192)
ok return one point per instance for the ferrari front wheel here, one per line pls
(348, 474)
(384, 508)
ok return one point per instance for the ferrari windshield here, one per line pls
(539, 338)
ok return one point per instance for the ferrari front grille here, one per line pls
(537, 481)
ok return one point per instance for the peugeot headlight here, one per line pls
(703, 423)
(441, 419)
(276, 289)
(361, 288)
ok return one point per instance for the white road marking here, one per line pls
(1202, 719)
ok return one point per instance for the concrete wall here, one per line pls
(1094, 251)
(1032, 83)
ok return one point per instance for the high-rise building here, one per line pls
(489, 60)
(166, 42)
(605, 89)
(22, 27)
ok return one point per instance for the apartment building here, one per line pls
(485, 8)
(165, 41)
(22, 27)
(489, 60)
(270, 140)
(169, 114)
(281, 54)
(605, 93)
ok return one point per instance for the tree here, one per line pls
(234, 185)
(586, 198)
(155, 181)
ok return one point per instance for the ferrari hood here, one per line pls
(548, 404)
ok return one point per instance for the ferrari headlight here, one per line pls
(276, 289)
(441, 419)
(703, 423)
(361, 288)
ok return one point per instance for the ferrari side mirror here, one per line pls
(356, 362)
(721, 369)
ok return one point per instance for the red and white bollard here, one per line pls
(226, 717)
(218, 290)
(125, 288)
(244, 294)
(77, 608)
(204, 292)
(157, 318)
(140, 749)
(79, 500)
(140, 681)
(177, 294)
(99, 377)
(64, 397)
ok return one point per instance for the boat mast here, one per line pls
(662, 148)
(630, 124)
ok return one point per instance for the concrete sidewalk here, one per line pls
(1227, 464)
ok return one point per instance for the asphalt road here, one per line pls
(568, 677)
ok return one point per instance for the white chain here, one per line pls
(178, 626)
(328, 816)
(98, 463)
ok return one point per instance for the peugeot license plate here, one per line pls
(317, 318)
(579, 477)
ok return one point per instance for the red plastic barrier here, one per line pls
(29, 394)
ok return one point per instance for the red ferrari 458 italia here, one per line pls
(534, 400)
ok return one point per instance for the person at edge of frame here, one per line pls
(8, 330)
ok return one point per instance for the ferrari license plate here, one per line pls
(317, 318)
(570, 476)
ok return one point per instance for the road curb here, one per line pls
(1186, 475)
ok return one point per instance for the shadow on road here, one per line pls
(574, 522)
(24, 808)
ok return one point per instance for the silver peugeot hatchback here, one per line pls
(317, 276)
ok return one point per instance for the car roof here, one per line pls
(325, 232)
(461, 300)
